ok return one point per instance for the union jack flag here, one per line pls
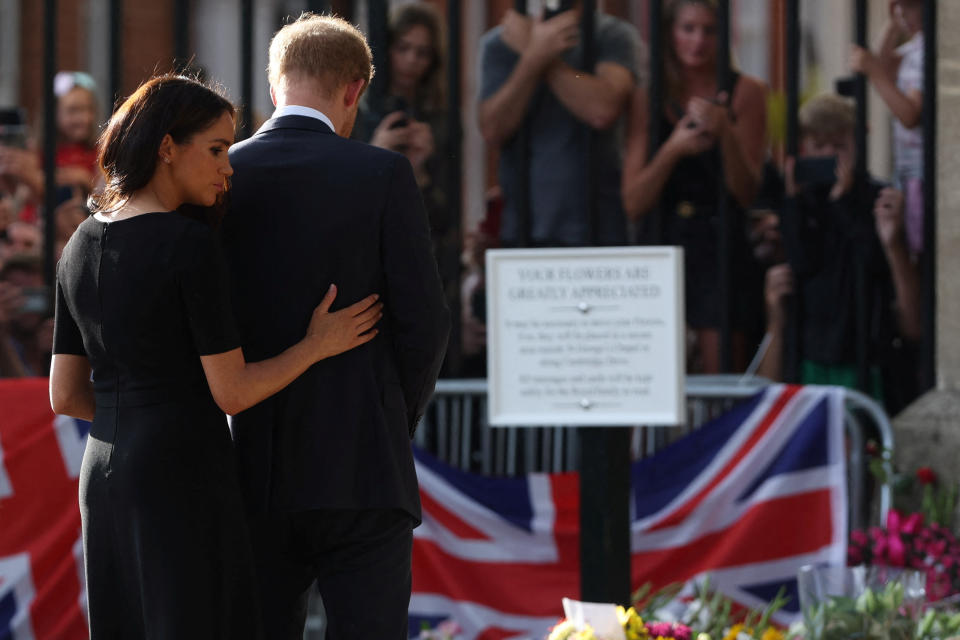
(748, 499)
(41, 568)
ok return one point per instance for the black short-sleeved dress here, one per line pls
(167, 551)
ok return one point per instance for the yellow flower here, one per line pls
(735, 631)
(632, 624)
(772, 634)
(563, 631)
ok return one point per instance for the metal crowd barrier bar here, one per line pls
(928, 262)
(455, 429)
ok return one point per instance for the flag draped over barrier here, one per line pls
(748, 499)
(41, 569)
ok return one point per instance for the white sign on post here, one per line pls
(585, 337)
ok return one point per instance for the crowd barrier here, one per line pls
(455, 429)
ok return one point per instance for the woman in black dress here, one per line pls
(142, 302)
(702, 129)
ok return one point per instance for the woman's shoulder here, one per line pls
(749, 92)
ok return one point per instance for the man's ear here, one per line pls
(353, 92)
(273, 96)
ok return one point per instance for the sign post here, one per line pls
(589, 337)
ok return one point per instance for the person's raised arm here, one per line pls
(237, 385)
(537, 43)
(888, 215)
(907, 107)
(742, 131)
(778, 284)
(596, 99)
(643, 181)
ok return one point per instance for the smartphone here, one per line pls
(816, 171)
(35, 300)
(13, 128)
(846, 87)
(395, 103)
(554, 7)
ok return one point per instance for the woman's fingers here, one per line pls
(363, 305)
(364, 338)
(372, 313)
(328, 299)
(367, 323)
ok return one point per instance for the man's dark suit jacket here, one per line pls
(309, 208)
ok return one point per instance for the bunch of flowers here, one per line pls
(634, 628)
(908, 542)
(740, 631)
(704, 614)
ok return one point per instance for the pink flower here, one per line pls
(660, 629)
(854, 556)
(682, 632)
(859, 537)
(896, 523)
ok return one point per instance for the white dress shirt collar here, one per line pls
(299, 110)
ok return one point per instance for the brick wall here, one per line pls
(146, 35)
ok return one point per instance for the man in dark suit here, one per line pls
(326, 463)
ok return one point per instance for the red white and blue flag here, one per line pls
(748, 499)
(41, 568)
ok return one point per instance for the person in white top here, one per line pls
(896, 72)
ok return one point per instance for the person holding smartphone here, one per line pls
(407, 113)
(713, 142)
(829, 232)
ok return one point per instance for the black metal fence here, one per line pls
(377, 31)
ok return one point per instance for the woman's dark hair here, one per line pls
(130, 144)
(432, 90)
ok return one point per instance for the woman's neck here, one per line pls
(146, 200)
(701, 82)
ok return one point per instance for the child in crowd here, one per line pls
(76, 158)
(896, 72)
(21, 166)
(840, 243)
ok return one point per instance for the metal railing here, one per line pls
(455, 429)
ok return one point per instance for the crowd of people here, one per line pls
(803, 229)
(26, 314)
(843, 248)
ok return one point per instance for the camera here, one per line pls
(816, 171)
(395, 103)
(35, 300)
(555, 7)
(13, 130)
